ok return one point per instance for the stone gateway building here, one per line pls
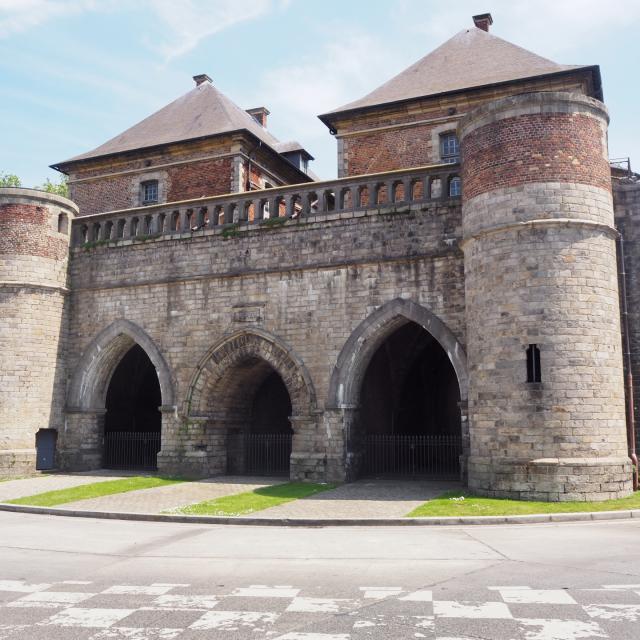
(463, 300)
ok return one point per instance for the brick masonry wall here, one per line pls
(626, 201)
(33, 308)
(540, 269)
(407, 134)
(199, 179)
(549, 147)
(310, 285)
(184, 171)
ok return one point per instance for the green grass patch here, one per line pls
(463, 503)
(241, 504)
(94, 490)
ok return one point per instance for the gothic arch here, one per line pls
(347, 375)
(220, 371)
(88, 388)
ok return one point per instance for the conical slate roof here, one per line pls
(472, 58)
(204, 111)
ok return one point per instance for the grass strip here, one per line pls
(464, 503)
(94, 490)
(240, 504)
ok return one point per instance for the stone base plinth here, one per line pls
(317, 467)
(195, 464)
(17, 462)
(551, 479)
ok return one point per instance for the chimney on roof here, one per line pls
(259, 114)
(483, 21)
(199, 79)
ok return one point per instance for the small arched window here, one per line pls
(63, 223)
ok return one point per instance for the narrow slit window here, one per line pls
(533, 363)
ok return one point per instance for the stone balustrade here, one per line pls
(378, 191)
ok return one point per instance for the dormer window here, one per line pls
(149, 192)
(449, 148)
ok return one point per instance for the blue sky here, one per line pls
(74, 73)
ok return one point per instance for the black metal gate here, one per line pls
(267, 453)
(131, 450)
(429, 455)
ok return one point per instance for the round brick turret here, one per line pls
(546, 399)
(35, 228)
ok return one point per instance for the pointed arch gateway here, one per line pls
(116, 394)
(402, 377)
(252, 393)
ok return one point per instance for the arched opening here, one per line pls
(258, 408)
(410, 419)
(133, 421)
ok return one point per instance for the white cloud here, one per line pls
(21, 15)
(548, 27)
(183, 23)
(342, 70)
(187, 22)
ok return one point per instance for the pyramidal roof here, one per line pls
(204, 111)
(472, 58)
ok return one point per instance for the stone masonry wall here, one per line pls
(33, 308)
(626, 201)
(303, 287)
(540, 268)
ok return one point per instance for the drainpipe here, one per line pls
(631, 433)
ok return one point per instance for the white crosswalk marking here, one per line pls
(77, 617)
(170, 611)
(536, 596)
(380, 592)
(263, 591)
(234, 620)
(452, 609)
(50, 599)
(418, 596)
(21, 586)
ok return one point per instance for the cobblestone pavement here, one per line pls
(95, 610)
(372, 498)
(12, 489)
(172, 496)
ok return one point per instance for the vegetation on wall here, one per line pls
(60, 188)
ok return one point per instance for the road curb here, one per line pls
(327, 522)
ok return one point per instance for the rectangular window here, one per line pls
(455, 187)
(533, 364)
(449, 148)
(149, 192)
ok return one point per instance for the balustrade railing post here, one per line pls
(406, 190)
(289, 205)
(274, 208)
(372, 194)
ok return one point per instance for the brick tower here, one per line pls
(34, 247)
(546, 399)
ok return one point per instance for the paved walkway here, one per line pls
(12, 489)
(371, 498)
(171, 497)
(362, 499)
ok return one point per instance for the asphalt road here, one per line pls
(64, 578)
